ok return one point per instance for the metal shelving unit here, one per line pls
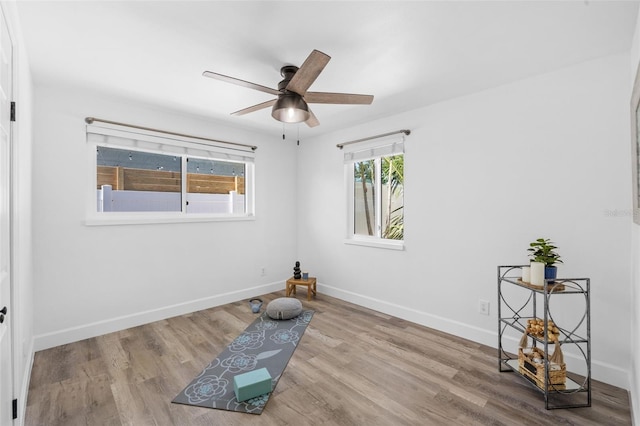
(521, 302)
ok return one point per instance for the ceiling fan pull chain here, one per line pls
(282, 131)
(298, 135)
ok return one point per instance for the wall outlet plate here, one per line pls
(483, 307)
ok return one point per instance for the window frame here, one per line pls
(123, 137)
(370, 150)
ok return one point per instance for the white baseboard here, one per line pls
(634, 394)
(600, 370)
(447, 325)
(74, 334)
(24, 388)
(611, 374)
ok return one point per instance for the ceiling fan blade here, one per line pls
(337, 98)
(312, 121)
(258, 107)
(308, 72)
(239, 82)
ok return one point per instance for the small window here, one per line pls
(375, 188)
(146, 176)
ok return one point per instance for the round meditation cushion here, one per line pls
(284, 308)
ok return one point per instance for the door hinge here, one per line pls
(13, 111)
(14, 404)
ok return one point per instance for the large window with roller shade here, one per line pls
(143, 176)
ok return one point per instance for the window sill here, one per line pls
(377, 243)
(149, 220)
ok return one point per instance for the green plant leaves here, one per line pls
(542, 250)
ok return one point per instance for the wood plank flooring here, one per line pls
(353, 366)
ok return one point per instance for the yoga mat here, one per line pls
(265, 343)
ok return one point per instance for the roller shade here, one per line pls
(382, 147)
(122, 137)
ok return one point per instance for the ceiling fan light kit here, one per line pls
(290, 108)
(291, 105)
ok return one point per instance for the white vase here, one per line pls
(526, 274)
(537, 273)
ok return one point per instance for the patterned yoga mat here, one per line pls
(265, 343)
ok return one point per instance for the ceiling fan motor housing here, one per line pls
(287, 71)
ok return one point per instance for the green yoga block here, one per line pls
(251, 384)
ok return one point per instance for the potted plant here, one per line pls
(543, 250)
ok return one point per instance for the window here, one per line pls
(375, 187)
(144, 176)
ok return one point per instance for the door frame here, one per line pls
(12, 213)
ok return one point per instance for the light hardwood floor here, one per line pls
(353, 366)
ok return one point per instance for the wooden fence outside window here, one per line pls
(127, 179)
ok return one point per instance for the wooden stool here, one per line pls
(309, 282)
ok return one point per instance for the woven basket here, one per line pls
(536, 371)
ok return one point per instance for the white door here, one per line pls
(6, 355)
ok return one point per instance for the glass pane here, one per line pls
(215, 186)
(364, 198)
(392, 177)
(134, 181)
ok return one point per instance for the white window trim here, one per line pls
(150, 218)
(358, 240)
(159, 143)
(366, 151)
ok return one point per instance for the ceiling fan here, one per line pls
(290, 106)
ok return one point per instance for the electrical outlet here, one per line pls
(483, 307)
(263, 271)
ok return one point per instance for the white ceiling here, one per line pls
(406, 54)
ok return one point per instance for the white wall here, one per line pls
(22, 262)
(95, 279)
(635, 273)
(485, 175)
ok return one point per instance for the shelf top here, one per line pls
(558, 286)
